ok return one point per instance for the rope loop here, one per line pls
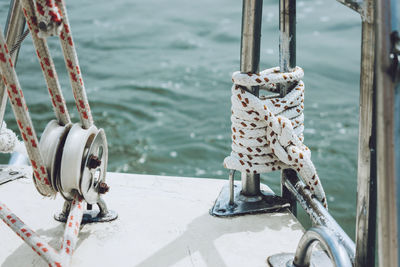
(49, 18)
(267, 132)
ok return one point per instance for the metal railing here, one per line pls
(293, 189)
(329, 243)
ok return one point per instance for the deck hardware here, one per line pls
(93, 162)
(266, 201)
(248, 197)
(7, 176)
(102, 214)
(90, 182)
(319, 258)
(318, 214)
(395, 56)
(232, 187)
(103, 188)
(304, 252)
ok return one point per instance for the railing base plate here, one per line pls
(318, 258)
(267, 201)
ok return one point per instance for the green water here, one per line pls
(157, 75)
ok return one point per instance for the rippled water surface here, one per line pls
(157, 75)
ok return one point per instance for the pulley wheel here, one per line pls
(74, 156)
(50, 145)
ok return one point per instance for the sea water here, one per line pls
(157, 74)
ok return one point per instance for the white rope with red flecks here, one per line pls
(9, 142)
(267, 132)
(46, 63)
(72, 65)
(18, 104)
(39, 245)
(46, 18)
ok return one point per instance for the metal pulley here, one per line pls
(76, 160)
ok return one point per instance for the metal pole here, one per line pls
(366, 175)
(249, 62)
(287, 61)
(387, 163)
(14, 28)
(287, 38)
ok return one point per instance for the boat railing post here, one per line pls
(249, 63)
(248, 198)
(387, 101)
(366, 171)
(287, 61)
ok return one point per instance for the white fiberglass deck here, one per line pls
(163, 221)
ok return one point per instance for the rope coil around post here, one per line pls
(9, 142)
(267, 132)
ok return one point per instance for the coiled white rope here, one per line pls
(9, 142)
(267, 132)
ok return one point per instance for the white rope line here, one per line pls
(72, 65)
(46, 63)
(40, 246)
(48, 18)
(267, 132)
(18, 104)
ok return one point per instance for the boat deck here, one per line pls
(163, 221)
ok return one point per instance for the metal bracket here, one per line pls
(395, 56)
(8, 175)
(89, 215)
(231, 201)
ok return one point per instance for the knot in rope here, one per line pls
(49, 18)
(267, 132)
(9, 141)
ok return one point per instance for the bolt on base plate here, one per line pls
(267, 201)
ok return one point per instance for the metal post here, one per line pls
(14, 28)
(366, 175)
(287, 38)
(287, 61)
(248, 198)
(249, 62)
(387, 121)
